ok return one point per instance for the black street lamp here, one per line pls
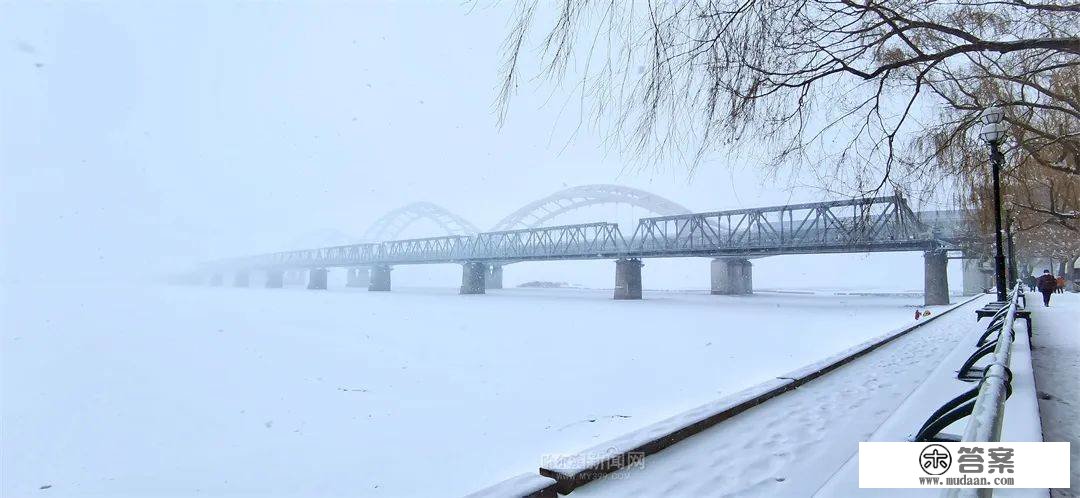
(993, 132)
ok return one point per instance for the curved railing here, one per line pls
(984, 404)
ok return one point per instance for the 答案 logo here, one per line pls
(935, 459)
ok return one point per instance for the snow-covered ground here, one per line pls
(139, 391)
(1055, 357)
(792, 444)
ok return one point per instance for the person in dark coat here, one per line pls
(1030, 282)
(1047, 284)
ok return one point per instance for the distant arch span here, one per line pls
(391, 224)
(536, 213)
(531, 215)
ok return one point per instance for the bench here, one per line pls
(990, 310)
(992, 307)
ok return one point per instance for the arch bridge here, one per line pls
(532, 215)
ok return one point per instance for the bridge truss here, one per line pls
(860, 225)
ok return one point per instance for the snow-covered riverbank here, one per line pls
(143, 391)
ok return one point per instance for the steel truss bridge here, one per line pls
(859, 225)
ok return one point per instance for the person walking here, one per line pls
(1061, 284)
(1047, 284)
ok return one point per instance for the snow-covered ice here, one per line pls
(136, 391)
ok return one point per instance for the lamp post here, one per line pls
(993, 133)
(1011, 251)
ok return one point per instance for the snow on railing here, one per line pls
(984, 404)
(985, 423)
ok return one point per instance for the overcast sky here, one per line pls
(137, 136)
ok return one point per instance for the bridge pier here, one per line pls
(241, 279)
(357, 277)
(935, 278)
(494, 277)
(216, 279)
(628, 278)
(294, 277)
(976, 281)
(317, 278)
(275, 279)
(472, 277)
(380, 278)
(732, 276)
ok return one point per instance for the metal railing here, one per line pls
(996, 384)
(984, 404)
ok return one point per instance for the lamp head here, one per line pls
(993, 114)
(993, 133)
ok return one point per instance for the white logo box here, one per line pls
(970, 465)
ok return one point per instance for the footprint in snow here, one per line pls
(592, 420)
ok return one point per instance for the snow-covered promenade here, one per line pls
(792, 445)
(1055, 356)
(804, 442)
(139, 391)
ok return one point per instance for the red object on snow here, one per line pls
(918, 314)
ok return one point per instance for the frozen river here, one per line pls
(142, 391)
